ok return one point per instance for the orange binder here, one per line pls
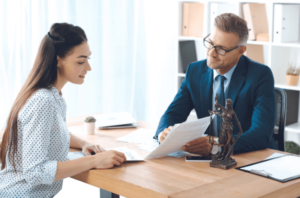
(192, 20)
(256, 53)
(256, 16)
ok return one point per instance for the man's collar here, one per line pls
(227, 74)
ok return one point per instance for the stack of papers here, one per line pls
(115, 121)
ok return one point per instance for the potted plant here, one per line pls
(292, 75)
(89, 123)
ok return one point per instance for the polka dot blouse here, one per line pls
(43, 140)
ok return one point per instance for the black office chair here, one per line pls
(281, 103)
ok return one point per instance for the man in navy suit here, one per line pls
(250, 86)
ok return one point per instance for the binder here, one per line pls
(256, 16)
(283, 168)
(292, 106)
(220, 8)
(192, 21)
(256, 53)
(188, 54)
(286, 23)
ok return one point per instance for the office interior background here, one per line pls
(136, 57)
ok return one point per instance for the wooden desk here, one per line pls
(173, 177)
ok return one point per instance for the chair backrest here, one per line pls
(281, 106)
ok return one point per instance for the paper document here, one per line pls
(180, 135)
(131, 155)
(280, 168)
(275, 155)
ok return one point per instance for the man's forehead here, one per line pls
(225, 39)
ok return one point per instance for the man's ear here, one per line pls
(242, 50)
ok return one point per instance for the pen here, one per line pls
(260, 172)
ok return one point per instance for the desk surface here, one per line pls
(173, 177)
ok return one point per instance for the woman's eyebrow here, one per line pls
(83, 56)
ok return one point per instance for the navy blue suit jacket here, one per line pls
(252, 92)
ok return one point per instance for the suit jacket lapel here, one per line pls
(237, 80)
(206, 80)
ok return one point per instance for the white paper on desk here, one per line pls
(275, 155)
(180, 135)
(141, 136)
(279, 168)
(131, 155)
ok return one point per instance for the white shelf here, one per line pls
(284, 86)
(189, 38)
(295, 44)
(293, 128)
(258, 43)
(181, 74)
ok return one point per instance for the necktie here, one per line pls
(221, 101)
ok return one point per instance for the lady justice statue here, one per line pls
(222, 157)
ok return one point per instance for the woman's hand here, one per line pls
(108, 159)
(88, 148)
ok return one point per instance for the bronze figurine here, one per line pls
(223, 158)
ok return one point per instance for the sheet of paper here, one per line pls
(75, 155)
(131, 155)
(179, 136)
(275, 155)
(280, 168)
(140, 136)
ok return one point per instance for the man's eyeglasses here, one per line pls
(218, 49)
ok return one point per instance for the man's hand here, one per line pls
(198, 146)
(162, 136)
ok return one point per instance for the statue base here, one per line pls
(222, 164)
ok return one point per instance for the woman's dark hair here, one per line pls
(60, 41)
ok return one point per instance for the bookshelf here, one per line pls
(276, 55)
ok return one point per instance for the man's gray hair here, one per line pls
(232, 23)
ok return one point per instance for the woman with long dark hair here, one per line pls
(36, 140)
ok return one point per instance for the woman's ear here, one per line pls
(59, 61)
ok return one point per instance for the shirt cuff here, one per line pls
(50, 168)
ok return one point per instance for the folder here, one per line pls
(256, 16)
(256, 53)
(283, 168)
(192, 21)
(188, 53)
(286, 23)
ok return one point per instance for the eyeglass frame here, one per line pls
(204, 39)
